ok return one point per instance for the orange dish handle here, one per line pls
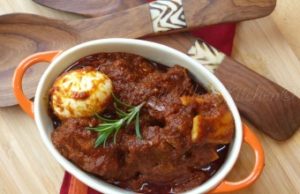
(251, 139)
(76, 187)
(24, 102)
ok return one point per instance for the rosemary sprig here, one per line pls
(113, 126)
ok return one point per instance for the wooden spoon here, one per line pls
(25, 34)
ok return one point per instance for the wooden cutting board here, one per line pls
(27, 167)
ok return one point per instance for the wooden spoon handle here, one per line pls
(200, 12)
(268, 106)
(165, 16)
(91, 8)
(185, 14)
(169, 15)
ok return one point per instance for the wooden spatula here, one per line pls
(25, 34)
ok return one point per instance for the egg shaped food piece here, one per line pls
(80, 93)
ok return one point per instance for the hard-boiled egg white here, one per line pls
(80, 93)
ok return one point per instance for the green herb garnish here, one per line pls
(110, 127)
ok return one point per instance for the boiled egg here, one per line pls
(80, 93)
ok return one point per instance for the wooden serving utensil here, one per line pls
(25, 34)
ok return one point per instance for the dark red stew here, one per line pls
(166, 159)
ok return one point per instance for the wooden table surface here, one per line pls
(270, 46)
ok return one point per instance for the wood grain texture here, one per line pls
(259, 44)
(268, 106)
(284, 17)
(26, 34)
(282, 67)
(225, 10)
(26, 166)
(91, 8)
